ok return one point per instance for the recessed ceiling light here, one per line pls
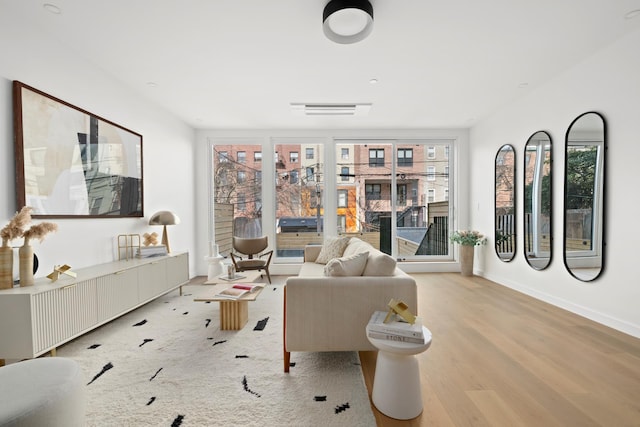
(373, 81)
(523, 85)
(632, 14)
(52, 8)
(152, 84)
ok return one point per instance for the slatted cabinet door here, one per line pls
(117, 293)
(152, 280)
(63, 313)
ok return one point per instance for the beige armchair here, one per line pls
(253, 250)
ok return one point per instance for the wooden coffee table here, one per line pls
(234, 313)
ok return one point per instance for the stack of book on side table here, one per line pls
(149, 251)
(396, 329)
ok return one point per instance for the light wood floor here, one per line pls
(501, 358)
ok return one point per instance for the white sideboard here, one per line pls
(37, 319)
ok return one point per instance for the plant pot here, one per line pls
(466, 260)
(6, 267)
(26, 265)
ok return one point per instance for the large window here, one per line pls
(392, 193)
(299, 210)
(237, 192)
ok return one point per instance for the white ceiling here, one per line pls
(238, 64)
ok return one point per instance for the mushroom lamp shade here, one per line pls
(347, 21)
(164, 218)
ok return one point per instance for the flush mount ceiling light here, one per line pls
(347, 21)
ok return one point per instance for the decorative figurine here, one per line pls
(61, 269)
(401, 309)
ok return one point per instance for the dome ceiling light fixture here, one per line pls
(347, 21)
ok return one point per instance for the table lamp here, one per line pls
(164, 218)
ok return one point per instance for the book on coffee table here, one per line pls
(238, 290)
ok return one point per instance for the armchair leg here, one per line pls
(266, 270)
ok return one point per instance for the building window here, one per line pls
(376, 157)
(342, 198)
(223, 156)
(293, 157)
(242, 203)
(294, 177)
(342, 223)
(446, 194)
(446, 151)
(401, 196)
(405, 157)
(242, 157)
(242, 177)
(431, 173)
(344, 173)
(308, 153)
(344, 153)
(446, 173)
(257, 156)
(431, 152)
(258, 177)
(373, 191)
(310, 174)
(431, 195)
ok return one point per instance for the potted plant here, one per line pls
(13, 230)
(467, 239)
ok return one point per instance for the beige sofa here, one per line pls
(330, 313)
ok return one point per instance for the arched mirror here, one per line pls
(584, 196)
(537, 200)
(505, 203)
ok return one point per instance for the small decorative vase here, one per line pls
(466, 260)
(6, 267)
(26, 264)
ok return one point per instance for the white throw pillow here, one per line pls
(379, 264)
(347, 266)
(333, 247)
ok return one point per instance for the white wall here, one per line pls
(37, 60)
(606, 82)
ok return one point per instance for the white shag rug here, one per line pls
(169, 364)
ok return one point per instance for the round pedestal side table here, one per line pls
(396, 385)
(216, 266)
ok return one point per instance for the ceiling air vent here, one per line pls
(331, 109)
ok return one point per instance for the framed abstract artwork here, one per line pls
(71, 163)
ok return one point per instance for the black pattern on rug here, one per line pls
(178, 421)
(342, 408)
(155, 375)
(140, 323)
(261, 324)
(105, 368)
(206, 323)
(153, 399)
(320, 398)
(218, 342)
(93, 346)
(245, 385)
(144, 341)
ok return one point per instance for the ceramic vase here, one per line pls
(26, 264)
(6, 267)
(466, 260)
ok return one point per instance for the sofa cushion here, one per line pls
(333, 247)
(379, 264)
(347, 266)
(355, 246)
